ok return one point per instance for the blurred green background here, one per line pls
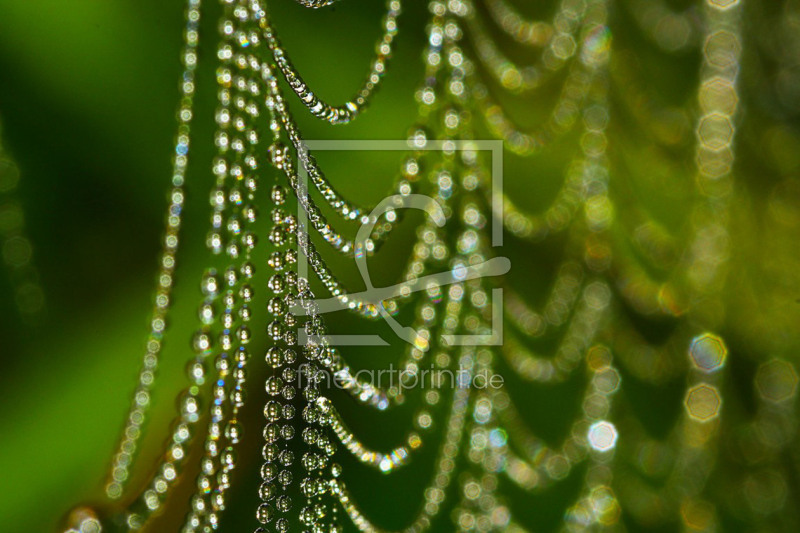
(88, 91)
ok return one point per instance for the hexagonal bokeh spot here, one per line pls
(708, 352)
(698, 515)
(703, 402)
(723, 4)
(599, 357)
(607, 381)
(776, 380)
(718, 94)
(714, 164)
(715, 131)
(605, 505)
(765, 491)
(722, 49)
(602, 436)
